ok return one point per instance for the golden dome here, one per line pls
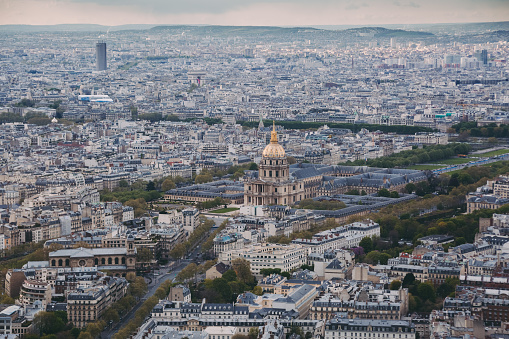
(273, 150)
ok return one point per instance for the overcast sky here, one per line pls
(251, 12)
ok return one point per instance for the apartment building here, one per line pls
(344, 328)
(86, 305)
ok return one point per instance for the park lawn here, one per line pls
(225, 210)
(425, 167)
(453, 161)
(494, 153)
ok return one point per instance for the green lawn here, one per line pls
(494, 153)
(225, 210)
(453, 161)
(425, 167)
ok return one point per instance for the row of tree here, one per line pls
(399, 129)
(180, 250)
(144, 310)
(489, 131)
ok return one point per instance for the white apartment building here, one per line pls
(347, 236)
(342, 328)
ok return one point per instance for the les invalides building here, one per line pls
(273, 185)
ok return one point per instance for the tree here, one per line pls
(138, 287)
(253, 333)
(144, 255)
(203, 178)
(384, 193)
(151, 186)
(367, 244)
(395, 285)
(426, 291)
(178, 251)
(253, 166)
(257, 290)
(48, 323)
(123, 183)
(85, 335)
(242, 268)
(408, 280)
(230, 275)
(167, 185)
(111, 315)
(220, 285)
(410, 188)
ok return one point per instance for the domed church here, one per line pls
(273, 185)
(277, 183)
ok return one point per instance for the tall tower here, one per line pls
(100, 52)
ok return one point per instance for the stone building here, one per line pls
(273, 185)
(118, 260)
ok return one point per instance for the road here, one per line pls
(154, 285)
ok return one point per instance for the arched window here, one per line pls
(53, 262)
(59, 262)
(131, 246)
(123, 261)
(103, 261)
(96, 262)
(116, 261)
(110, 261)
(66, 262)
(131, 261)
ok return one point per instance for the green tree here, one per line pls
(138, 287)
(48, 323)
(178, 251)
(257, 290)
(384, 193)
(254, 332)
(253, 166)
(220, 285)
(144, 255)
(230, 275)
(167, 185)
(395, 285)
(426, 291)
(410, 188)
(367, 244)
(203, 178)
(408, 280)
(242, 268)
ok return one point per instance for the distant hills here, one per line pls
(489, 31)
(71, 28)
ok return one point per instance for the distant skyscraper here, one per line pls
(100, 52)
(484, 56)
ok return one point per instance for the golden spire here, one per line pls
(273, 134)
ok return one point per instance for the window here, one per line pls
(103, 261)
(116, 261)
(53, 263)
(59, 262)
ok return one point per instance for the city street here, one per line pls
(158, 280)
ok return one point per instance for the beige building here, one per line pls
(34, 290)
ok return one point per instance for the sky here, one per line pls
(251, 12)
